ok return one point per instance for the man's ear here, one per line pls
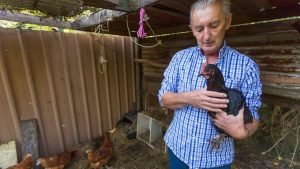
(228, 21)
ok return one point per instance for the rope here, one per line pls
(101, 59)
(141, 33)
(158, 42)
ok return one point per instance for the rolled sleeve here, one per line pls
(170, 81)
(252, 89)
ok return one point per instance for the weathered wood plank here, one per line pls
(23, 18)
(177, 5)
(280, 101)
(96, 18)
(104, 15)
(119, 5)
(297, 26)
(167, 12)
(284, 79)
(151, 63)
(280, 91)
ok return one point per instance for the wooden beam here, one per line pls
(280, 101)
(104, 4)
(142, 3)
(113, 1)
(177, 5)
(23, 18)
(276, 13)
(127, 5)
(167, 12)
(282, 92)
(261, 4)
(97, 18)
(119, 5)
(104, 15)
(297, 26)
(283, 3)
(151, 63)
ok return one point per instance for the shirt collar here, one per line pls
(221, 52)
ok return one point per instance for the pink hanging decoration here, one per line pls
(141, 33)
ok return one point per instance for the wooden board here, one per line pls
(8, 154)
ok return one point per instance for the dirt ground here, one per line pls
(128, 153)
(135, 154)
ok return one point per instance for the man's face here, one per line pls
(208, 26)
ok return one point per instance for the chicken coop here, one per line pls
(71, 69)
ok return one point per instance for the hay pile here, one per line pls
(128, 153)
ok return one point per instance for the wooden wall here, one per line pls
(53, 77)
(276, 52)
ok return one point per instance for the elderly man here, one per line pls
(189, 134)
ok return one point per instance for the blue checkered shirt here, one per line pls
(191, 129)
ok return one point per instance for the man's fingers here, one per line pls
(211, 109)
(215, 106)
(215, 94)
(217, 100)
(211, 101)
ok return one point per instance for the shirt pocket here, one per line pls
(232, 83)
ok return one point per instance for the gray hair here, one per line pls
(201, 4)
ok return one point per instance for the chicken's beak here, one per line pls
(204, 74)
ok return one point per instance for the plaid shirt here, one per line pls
(191, 129)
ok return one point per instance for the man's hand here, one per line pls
(201, 98)
(208, 100)
(234, 125)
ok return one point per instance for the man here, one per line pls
(189, 134)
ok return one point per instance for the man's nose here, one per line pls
(207, 34)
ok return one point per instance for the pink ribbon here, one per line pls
(141, 33)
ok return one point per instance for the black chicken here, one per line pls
(215, 82)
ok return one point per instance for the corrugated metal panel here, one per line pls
(53, 77)
(277, 53)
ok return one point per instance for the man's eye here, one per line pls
(199, 30)
(214, 25)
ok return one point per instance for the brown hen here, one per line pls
(26, 163)
(58, 161)
(100, 157)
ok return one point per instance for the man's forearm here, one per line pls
(251, 127)
(174, 100)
